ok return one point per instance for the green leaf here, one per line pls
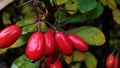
(71, 5)
(118, 2)
(59, 2)
(90, 60)
(92, 35)
(24, 62)
(27, 9)
(32, 27)
(76, 18)
(83, 17)
(86, 5)
(61, 15)
(95, 12)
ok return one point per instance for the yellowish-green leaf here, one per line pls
(59, 2)
(43, 26)
(6, 18)
(78, 56)
(72, 5)
(91, 35)
(3, 50)
(111, 4)
(104, 2)
(27, 9)
(18, 43)
(32, 27)
(90, 60)
(68, 59)
(116, 16)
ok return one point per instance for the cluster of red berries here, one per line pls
(49, 44)
(112, 60)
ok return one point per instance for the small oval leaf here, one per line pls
(116, 16)
(90, 60)
(111, 4)
(68, 59)
(78, 56)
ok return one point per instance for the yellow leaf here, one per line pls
(116, 16)
(78, 56)
(68, 59)
(104, 2)
(111, 4)
(3, 50)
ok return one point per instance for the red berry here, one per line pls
(56, 64)
(78, 43)
(116, 62)
(110, 61)
(53, 57)
(51, 30)
(49, 42)
(9, 35)
(35, 46)
(63, 43)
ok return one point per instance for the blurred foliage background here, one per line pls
(96, 21)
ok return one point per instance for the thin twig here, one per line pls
(25, 3)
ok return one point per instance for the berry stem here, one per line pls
(114, 51)
(38, 19)
(117, 55)
(54, 27)
(36, 10)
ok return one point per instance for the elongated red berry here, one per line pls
(78, 43)
(110, 61)
(51, 30)
(9, 35)
(52, 57)
(63, 43)
(56, 64)
(116, 62)
(35, 46)
(49, 42)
